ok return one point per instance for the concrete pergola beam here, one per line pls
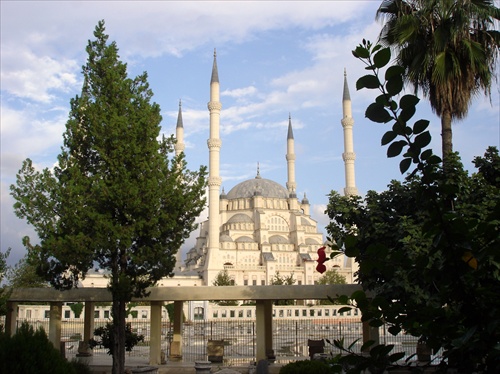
(191, 293)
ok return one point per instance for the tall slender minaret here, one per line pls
(212, 263)
(179, 133)
(348, 156)
(179, 148)
(290, 158)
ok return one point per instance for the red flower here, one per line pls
(321, 268)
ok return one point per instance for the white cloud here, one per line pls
(30, 76)
(240, 93)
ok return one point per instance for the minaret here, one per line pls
(348, 156)
(179, 133)
(290, 159)
(212, 263)
(179, 148)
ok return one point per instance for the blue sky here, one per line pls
(275, 58)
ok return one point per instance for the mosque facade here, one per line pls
(260, 230)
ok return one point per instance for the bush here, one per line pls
(30, 351)
(307, 367)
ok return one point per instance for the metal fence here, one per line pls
(290, 337)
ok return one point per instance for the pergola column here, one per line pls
(88, 329)
(264, 328)
(155, 334)
(11, 318)
(55, 317)
(176, 344)
(370, 333)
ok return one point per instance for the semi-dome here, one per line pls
(258, 186)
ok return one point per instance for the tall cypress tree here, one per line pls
(116, 198)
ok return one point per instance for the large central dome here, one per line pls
(258, 186)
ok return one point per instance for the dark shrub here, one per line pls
(30, 351)
(307, 367)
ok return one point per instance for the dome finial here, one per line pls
(258, 171)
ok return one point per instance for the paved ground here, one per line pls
(102, 365)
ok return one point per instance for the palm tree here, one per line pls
(449, 49)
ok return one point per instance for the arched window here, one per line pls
(199, 313)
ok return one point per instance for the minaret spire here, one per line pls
(212, 264)
(290, 159)
(179, 133)
(348, 156)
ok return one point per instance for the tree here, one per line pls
(223, 279)
(4, 293)
(331, 276)
(77, 308)
(24, 275)
(283, 280)
(448, 49)
(434, 271)
(116, 198)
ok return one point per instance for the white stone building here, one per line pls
(259, 228)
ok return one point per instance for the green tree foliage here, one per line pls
(105, 333)
(223, 279)
(434, 267)
(448, 49)
(4, 292)
(117, 197)
(283, 280)
(24, 275)
(77, 308)
(331, 276)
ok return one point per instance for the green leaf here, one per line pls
(396, 148)
(404, 165)
(376, 322)
(361, 52)
(434, 160)
(393, 70)
(382, 57)
(377, 113)
(420, 126)
(388, 137)
(394, 330)
(394, 85)
(345, 309)
(426, 154)
(367, 345)
(408, 100)
(396, 356)
(367, 81)
(423, 139)
(407, 113)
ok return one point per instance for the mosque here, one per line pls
(260, 229)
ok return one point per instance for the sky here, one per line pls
(275, 59)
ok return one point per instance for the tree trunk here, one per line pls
(446, 135)
(119, 316)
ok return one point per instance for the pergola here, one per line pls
(262, 295)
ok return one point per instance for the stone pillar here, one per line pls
(88, 330)
(370, 333)
(55, 324)
(176, 344)
(264, 329)
(155, 334)
(11, 318)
